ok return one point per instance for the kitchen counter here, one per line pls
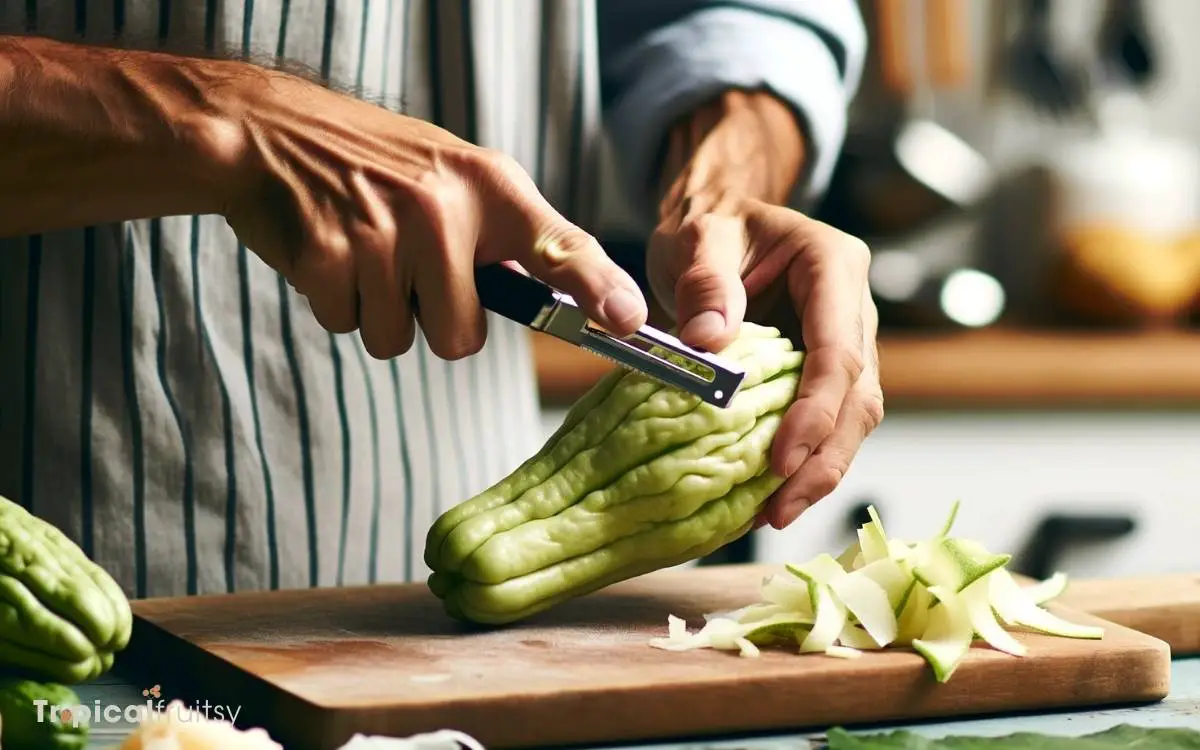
(1180, 709)
(988, 369)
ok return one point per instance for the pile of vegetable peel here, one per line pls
(936, 596)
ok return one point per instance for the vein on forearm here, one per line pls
(93, 134)
(743, 145)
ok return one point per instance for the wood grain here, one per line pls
(991, 369)
(1166, 607)
(315, 666)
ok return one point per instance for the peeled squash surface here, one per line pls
(640, 476)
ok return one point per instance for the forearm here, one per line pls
(92, 135)
(661, 67)
(743, 145)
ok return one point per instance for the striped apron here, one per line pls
(172, 405)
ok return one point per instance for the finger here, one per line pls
(385, 320)
(409, 314)
(571, 260)
(710, 299)
(325, 275)
(442, 249)
(823, 473)
(568, 259)
(826, 285)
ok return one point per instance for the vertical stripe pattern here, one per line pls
(177, 409)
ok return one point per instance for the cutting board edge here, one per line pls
(1170, 612)
(1150, 655)
(341, 722)
(146, 629)
(353, 720)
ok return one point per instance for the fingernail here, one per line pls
(623, 307)
(704, 327)
(795, 460)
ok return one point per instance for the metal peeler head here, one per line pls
(669, 360)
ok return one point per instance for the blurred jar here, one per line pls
(1126, 226)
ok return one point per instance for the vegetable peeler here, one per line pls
(532, 303)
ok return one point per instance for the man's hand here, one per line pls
(363, 210)
(726, 250)
(377, 218)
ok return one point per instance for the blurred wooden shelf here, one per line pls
(991, 369)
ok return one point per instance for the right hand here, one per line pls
(366, 212)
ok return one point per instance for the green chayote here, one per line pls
(61, 615)
(32, 716)
(640, 476)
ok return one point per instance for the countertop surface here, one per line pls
(1180, 709)
(994, 368)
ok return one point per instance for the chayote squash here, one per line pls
(62, 617)
(22, 727)
(640, 476)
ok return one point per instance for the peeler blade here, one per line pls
(674, 363)
(659, 355)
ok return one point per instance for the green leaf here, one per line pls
(1121, 736)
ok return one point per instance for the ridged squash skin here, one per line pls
(21, 728)
(62, 617)
(640, 476)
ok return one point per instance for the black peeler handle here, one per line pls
(512, 294)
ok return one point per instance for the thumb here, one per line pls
(710, 298)
(569, 259)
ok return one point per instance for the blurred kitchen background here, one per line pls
(1027, 173)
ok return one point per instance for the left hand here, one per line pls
(716, 261)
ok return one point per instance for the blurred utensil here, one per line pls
(1049, 80)
(906, 170)
(913, 291)
(927, 150)
(1125, 47)
(946, 37)
(895, 60)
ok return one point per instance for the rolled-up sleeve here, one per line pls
(661, 60)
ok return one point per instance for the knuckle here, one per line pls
(440, 197)
(385, 233)
(495, 167)
(328, 255)
(381, 347)
(562, 247)
(459, 345)
(873, 411)
(505, 166)
(823, 421)
(375, 249)
(700, 279)
(856, 251)
(852, 362)
(339, 322)
(694, 228)
(828, 478)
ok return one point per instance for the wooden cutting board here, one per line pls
(1165, 606)
(315, 666)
